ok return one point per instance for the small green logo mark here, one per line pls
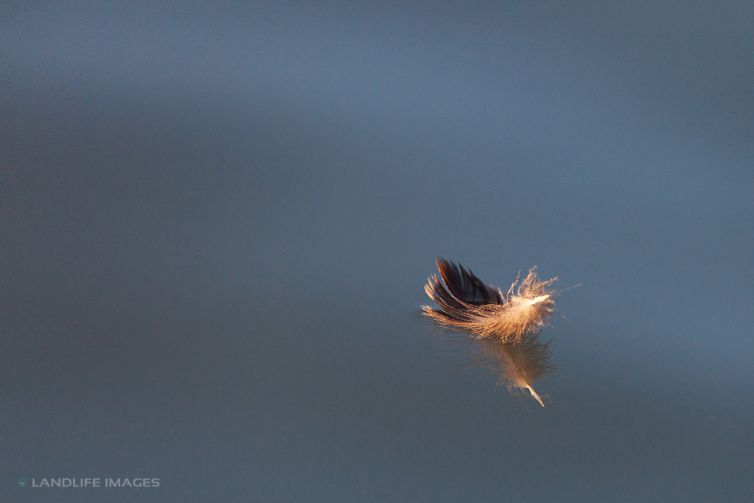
(22, 482)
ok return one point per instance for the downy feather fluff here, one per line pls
(465, 302)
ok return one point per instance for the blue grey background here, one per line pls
(216, 220)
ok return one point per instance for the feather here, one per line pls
(519, 365)
(465, 302)
(465, 286)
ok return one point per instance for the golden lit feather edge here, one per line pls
(466, 303)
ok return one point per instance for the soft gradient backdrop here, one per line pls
(216, 219)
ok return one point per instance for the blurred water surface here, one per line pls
(217, 218)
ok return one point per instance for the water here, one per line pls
(217, 221)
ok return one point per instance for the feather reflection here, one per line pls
(518, 365)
